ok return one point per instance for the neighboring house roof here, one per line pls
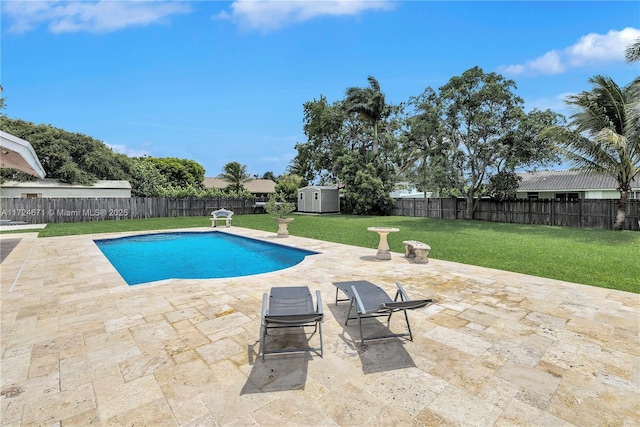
(569, 181)
(19, 154)
(255, 186)
(260, 186)
(53, 183)
(215, 183)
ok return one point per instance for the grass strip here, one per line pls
(603, 258)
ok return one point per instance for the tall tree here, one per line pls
(236, 174)
(486, 134)
(479, 111)
(421, 144)
(326, 139)
(369, 104)
(338, 149)
(604, 134)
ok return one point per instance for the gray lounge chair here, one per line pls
(369, 300)
(290, 307)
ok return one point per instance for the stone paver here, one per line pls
(79, 347)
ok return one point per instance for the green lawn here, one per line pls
(601, 258)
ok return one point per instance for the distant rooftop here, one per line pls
(569, 180)
(255, 186)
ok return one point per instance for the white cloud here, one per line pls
(590, 49)
(268, 15)
(601, 48)
(549, 63)
(87, 16)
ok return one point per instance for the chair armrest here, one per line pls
(265, 305)
(401, 292)
(356, 296)
(318, 303)
(405, 305)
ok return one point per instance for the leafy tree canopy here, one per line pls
(79, 159)
(69, 157)
(343, 138)
(270, 175)
(178, 172)
(289, 185)
(474, 132)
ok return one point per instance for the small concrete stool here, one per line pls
(417, 250)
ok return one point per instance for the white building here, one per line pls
(51, 188)
(572, 185)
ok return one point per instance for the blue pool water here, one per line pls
(195, 255)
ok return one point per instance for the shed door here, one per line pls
(316, 202)
(308, 206)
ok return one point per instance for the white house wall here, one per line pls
(593, 194)
(64, 192)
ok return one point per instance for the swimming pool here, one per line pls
(195, 255)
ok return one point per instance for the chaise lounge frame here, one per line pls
(368, 301)
(291, 307)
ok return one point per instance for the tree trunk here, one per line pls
(470, 206)
(375, 138)
(621, 215)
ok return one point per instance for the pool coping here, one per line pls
(80, 346)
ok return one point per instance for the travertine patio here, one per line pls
(80, 347)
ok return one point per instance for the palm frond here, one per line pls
(632, 52)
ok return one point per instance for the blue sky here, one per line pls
(222, 81)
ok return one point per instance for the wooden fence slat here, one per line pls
(592, 213)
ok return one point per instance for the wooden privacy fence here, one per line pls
(62, 210)
(578, 213)
(592, 213)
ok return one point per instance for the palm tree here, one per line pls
(422, 141)
(369, 104)
(605, 134)
(632, 52)
(236, 174)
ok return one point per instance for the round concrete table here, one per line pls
(383, 246)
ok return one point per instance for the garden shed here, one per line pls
(319, 199)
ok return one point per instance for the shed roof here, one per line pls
(569, 181)
(321, 187)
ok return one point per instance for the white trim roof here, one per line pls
(16, 153)
(570, 181)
